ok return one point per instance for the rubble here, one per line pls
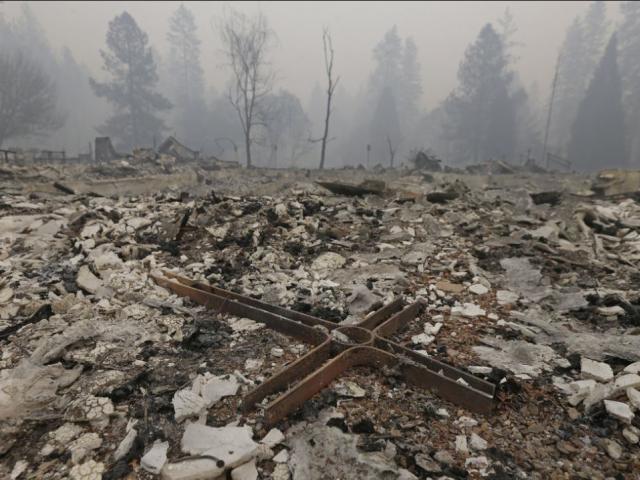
(100, 366)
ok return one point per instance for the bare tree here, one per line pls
(327, 45)
(27, 99)
(246, 42)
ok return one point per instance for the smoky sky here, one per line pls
(441, 30)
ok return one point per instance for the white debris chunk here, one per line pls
(478, 289)
(212, 389)
(477, 463)
(634, 397)
(629, 435)
(66, 433)
(468, 310)
(328, 261)
(281, 457)
(90, 470)
(277, 352)
(631, 380)
(349, 389)
(253, 364)
(233, 445)
(611, 311)
(580, 390)
(422, 339)
(273, 438)
(155, 458)
(196, 469)
(466, 422)
(83, 445)
(430, 329)
(125, 445)
(506, 297)
(5, 295)
(614, 450)
(18, 469)
(87, 281)
(477, 442)
(246, 471)
(480, 370)
(599, 371)
(461, 444)
(244, 325)
(632, 368)
(619, 410)
(187, 403)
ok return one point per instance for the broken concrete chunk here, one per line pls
(196, 469)
(619, 410)
(630, 436)
(125, 445)
(212, 389)
(478, 289)
(361, 300)
(187, 403)
(349, 389)
(599, 371)
(281, 457)
(233, 445)
(477, 442)
(87, 281)
(631, 380)
(18, 469)
(634, 397)
(246, 471)
(428, 464)
(468, 310)
(83, 445)
(461, 444)
(155, 458)
(328, 261)
(614, 450)
(506, 297)
(632, 368)
(273, 438)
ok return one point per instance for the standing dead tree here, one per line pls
(246, 42)
(327, 45)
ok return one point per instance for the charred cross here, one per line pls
(336, 349)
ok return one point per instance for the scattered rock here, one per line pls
(596, 370)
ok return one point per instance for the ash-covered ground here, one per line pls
(105, 374)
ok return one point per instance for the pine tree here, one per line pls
(388, 57)
(598, 134)
(481, 111)
(579, 55)
(131, 90)
(629, 43)
(412, 83)
(186, 75)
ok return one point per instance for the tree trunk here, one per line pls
(247, 146)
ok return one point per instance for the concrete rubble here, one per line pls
(105, 374)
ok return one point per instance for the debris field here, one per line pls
(528, 282)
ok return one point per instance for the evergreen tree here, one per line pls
(187, 80)
(629, 49)
(388, 58)
(481, 111)
(131, 89)
(579, 55)
(598, 134)
(411, 82)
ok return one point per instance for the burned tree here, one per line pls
(327, 45)
(27, 99)
(246, 41)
